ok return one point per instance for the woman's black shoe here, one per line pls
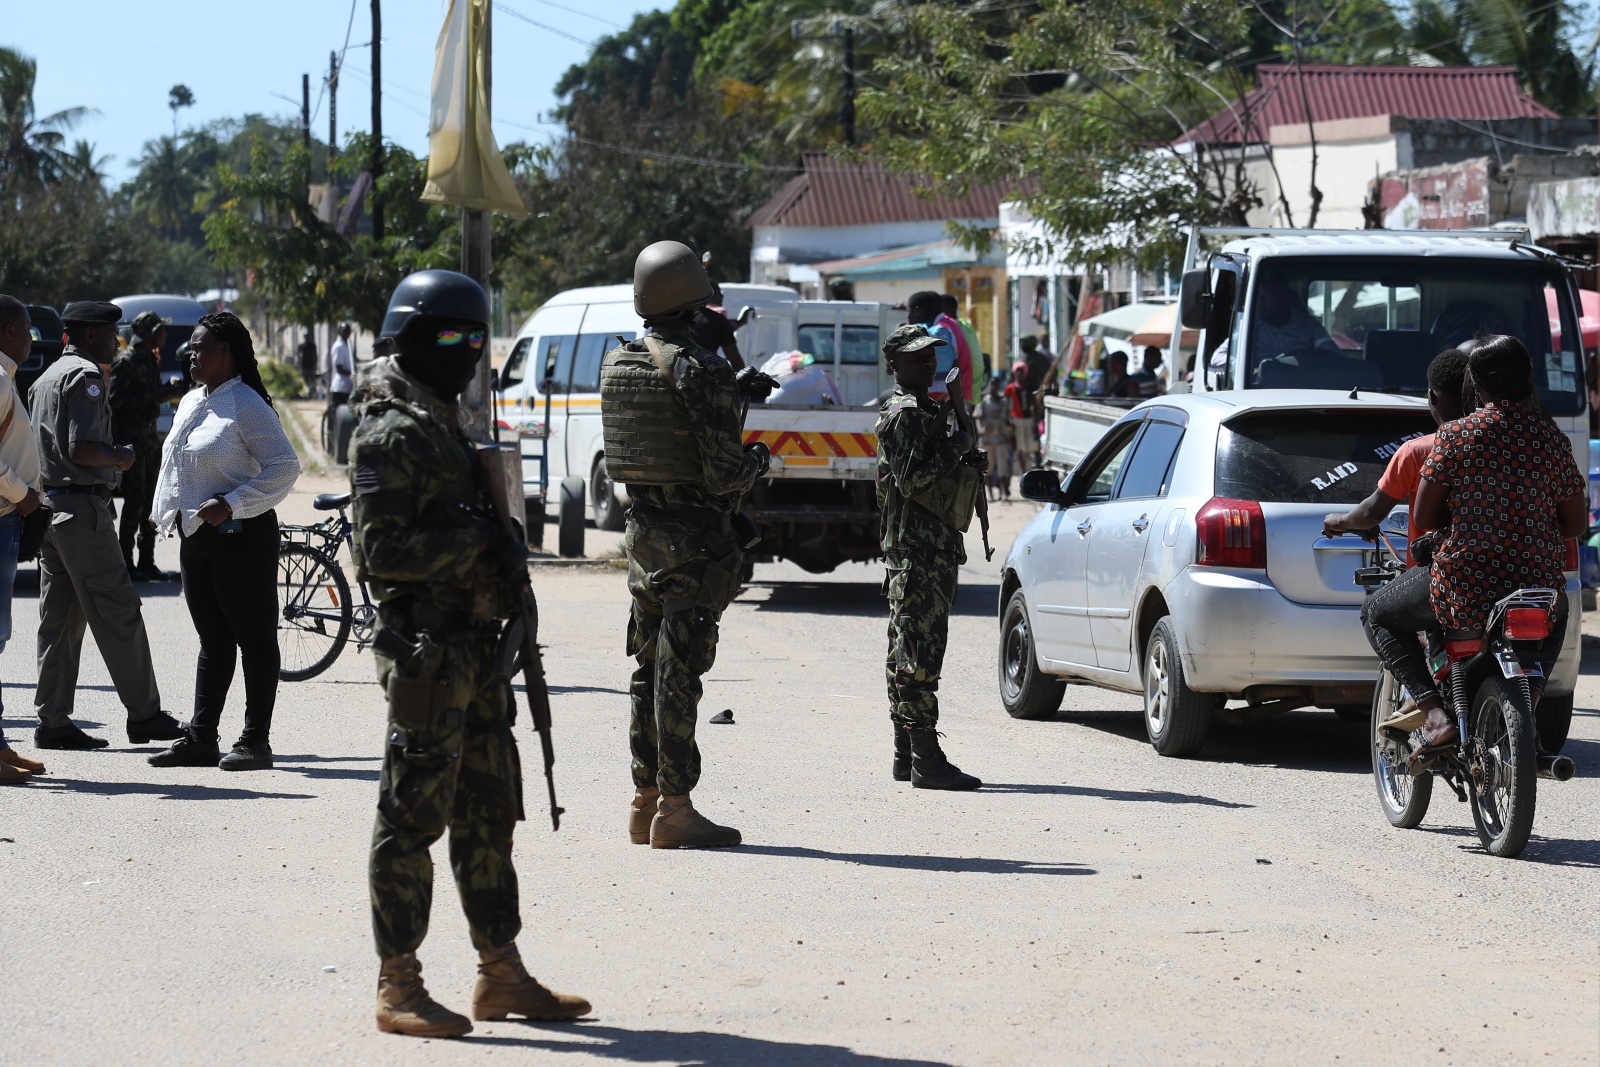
(159, 727)
(248, 756)
(187, 751)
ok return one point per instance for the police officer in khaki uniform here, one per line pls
(82, 579)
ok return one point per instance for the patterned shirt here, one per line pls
(1506, 470)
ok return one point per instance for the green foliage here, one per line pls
(283, 381)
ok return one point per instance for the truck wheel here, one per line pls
(1025, 690)
(608, 513)
(1554, 718)
(570, 518)
(1176, 718)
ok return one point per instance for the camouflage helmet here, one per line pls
(668, 277)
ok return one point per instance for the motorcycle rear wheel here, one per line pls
(1501, 759)
(1404, 796)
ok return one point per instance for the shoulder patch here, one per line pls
(94, 389)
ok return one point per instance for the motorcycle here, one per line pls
(1483, 677)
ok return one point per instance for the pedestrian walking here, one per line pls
(928, 483)
(136, 396)
(1024, 419)
(977, 358)
(310, 365)
(994, 423)
(226, 465)
(341, 368)
(926, 308)
(444, 573)
(673, 429)
(19, 494)
(81, 577)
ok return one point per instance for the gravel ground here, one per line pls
(1095, 903)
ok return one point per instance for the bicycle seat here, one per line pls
(331, 501)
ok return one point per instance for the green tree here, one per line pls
(35, 149)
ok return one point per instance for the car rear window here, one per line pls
(1311, 457)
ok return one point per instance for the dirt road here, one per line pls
(1095, 903)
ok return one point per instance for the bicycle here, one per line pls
(316, 613)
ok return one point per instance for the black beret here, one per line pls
(92, 313)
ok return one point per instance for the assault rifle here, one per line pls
(965, 423)
(519, 646)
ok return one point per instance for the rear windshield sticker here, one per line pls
(1338, 474)
(1384, 452)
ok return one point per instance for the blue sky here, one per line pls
(121, 56)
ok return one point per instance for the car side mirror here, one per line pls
(1194, 298)
(1042, 485)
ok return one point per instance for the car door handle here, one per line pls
(1141, 524)
(1084, 527)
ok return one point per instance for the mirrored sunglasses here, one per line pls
(451, 338)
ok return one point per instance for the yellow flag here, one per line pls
(464, 164)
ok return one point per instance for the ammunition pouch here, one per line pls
(955, 498)
(419, 705)
(720, 573)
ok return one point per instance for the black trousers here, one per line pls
(1394, 614)
(230, 582)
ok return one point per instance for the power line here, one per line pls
(575, 11)
(547, 28)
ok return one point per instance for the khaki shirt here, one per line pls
(68, 405)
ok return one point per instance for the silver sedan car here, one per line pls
(1184, 559)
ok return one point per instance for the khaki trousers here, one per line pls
(82, 581)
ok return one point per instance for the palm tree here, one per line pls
(82, 165)
(35, 148)
(165, 186)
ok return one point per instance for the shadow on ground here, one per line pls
(1149, 796)
(164, 791)
(1554, 851)
(697, 1047)
(360, 774)
(861, 598)
(944, 864)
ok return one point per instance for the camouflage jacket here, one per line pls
(136, 392)
(915, 455)
(705, 381)
(422, 517)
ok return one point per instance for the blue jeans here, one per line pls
(10, 537)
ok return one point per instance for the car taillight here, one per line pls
(1232, 533)
(1572, 554)
(1527, 624)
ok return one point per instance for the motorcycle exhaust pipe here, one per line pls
(1556, 768)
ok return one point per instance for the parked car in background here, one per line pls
(182, 314)
(1183, 559)
(48, 341)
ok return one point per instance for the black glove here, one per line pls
(763, 456)
(755, 385)
(962, 442)
(507, 556)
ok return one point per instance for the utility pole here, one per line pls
(333, 111)
(476, 263)
(847, 109)
(305, 125)
(376, 164)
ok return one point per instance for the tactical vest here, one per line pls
(955, 498)
(649, 433)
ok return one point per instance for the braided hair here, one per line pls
(226, 327)
(1500, 363)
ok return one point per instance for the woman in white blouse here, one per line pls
(226, 464)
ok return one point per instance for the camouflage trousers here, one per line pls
(462, 775)
(920, 589)
(674, 640)
(138, 497)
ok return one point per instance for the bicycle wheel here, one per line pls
(1501, 761)
(1404, 796)
(314, 612)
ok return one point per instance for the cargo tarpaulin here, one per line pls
(464, 164)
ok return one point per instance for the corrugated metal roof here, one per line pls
(1336, 92)
(836, 192)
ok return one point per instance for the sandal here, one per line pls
(1407, 717)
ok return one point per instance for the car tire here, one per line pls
(609, 513)
(1025, 690)
(1554, 719)
(1176, 718)
(569, 519)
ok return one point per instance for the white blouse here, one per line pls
(227, 442)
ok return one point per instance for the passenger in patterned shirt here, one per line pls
(1502, 486)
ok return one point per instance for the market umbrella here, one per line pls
(1139, 324)
(1588, 317)
(1157, 330)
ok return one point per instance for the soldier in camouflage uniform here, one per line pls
(673, 430)
(928, 484)
(135, 400)
(440, 567)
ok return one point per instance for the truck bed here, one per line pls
(1072, 425)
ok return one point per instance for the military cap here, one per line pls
(910, 338)
(91, 313)
(146, 324)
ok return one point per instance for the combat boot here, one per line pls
(506, 988)
(931, 768)
(641, 812)
(902, 753)
(678, 825)
(404, 1006)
